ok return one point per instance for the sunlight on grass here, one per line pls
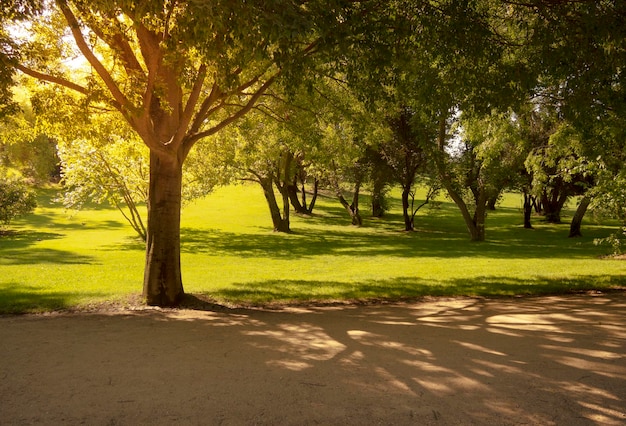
(57, 259)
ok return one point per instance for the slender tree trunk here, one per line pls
(163, 285)
(536, 203)
(354, 206)
(352, 209)
(477, 232)
(378, 198)
(298, 199)
(408, 219)
(528, 210)
(316, 187)
(292, 190)
(574, 229)
(280, 224)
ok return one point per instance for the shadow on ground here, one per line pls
(550, 361)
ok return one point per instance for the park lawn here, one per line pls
(57, 259)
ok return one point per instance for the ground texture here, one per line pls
(540, 361)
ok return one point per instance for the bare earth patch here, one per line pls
(543, 361)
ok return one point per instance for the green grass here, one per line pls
(57, 259)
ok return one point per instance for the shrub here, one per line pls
(15, 199)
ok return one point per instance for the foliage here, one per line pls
(115, 172)
(15, 198)
(25, 146)
(406, 153)
(609, 200)
(557, 164)
(492, 154)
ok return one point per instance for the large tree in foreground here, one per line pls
(177, 72)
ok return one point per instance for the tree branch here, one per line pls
(120, 98)
(194, 96)
(53, 79)
(235, 116)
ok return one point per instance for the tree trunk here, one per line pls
(163, 285)
(292, 190)
(408, 217)
(528, 210)
(574, 229)
(352, 209)
(477, 232)
(298, 199)
(553, 204)
(280, 224)
(492, 202)
(316, 187)
(378, 198)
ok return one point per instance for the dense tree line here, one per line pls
(160, 101)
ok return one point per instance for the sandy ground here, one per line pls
(538, 361)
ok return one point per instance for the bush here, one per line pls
(15, 199)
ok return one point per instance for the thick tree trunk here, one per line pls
(477, 231)
(574, 229)
(553, 203)
(163, 284)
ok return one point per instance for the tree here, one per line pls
(179, 72)
(15, 198)
(406, 155)
(442, 59)
(381, 177)
(266, 158)
(579, 50)
(115, 172)
(559, 169)
(608, 199)
(488, 152)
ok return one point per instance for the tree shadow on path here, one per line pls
(509, 361)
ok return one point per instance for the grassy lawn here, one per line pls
(58, 259)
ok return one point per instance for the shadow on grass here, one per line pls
(258, 293)
(354, 242)
(16, 249)
(17, 298)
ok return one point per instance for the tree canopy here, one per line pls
(181, 72)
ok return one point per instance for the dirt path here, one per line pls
(540, 361)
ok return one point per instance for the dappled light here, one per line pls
(554, 360)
